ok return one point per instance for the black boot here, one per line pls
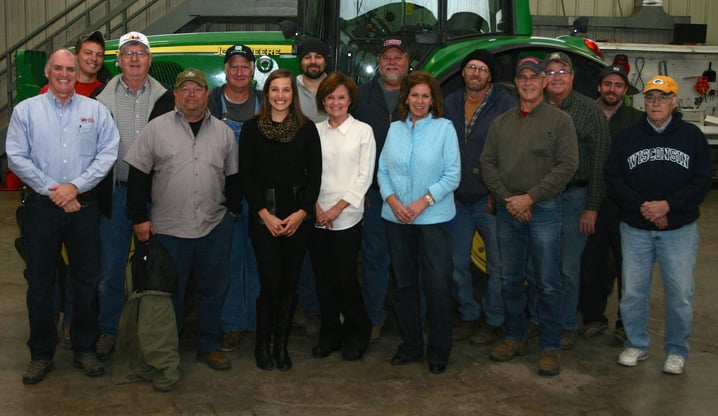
(285, 313)
(265, 324)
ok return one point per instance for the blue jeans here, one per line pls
(239, 312)
(45, 227)
(573, 202)
(375, 258)
(538, 240)
(207, 260)
(115, 236)
(422, 250)
(675, 251)
(469, 218)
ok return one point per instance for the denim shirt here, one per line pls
(420, 158)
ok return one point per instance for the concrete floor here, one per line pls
(590, 383)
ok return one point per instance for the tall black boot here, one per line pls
(285, 313)
(265, 323)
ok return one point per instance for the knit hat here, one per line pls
(485, 57)
(312, 45)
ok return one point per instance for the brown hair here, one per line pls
(265, 110)
(330, 83)
(410, 81)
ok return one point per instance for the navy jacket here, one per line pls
(472, 188)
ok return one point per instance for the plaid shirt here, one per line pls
(593, 145)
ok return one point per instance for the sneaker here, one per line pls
(230, 341)
(592, 329)
(508, 349)
(487, 334)
(568, 341)
(105, 346)
(463, 330)
(312, 325)
(89, 364)
(216, 360)
(36, 371)
(375, 334)
(549, 363)
(674, 364)
(631, 356)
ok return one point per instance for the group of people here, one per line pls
(244, 188)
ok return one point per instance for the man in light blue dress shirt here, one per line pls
(61, 145)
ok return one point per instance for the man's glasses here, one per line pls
(138, 54)
(528, 78)
(560, 73)
(475, 68)
(660, 98)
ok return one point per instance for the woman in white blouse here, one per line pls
(348, 154)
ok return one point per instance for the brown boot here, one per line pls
(508, 349)
(216, 360)
(549, 363)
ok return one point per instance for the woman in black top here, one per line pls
(280, 164)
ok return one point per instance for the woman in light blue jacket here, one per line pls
(419, 169)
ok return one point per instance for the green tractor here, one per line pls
(438, 33)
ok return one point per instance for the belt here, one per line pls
(577, 184)
(121, 183)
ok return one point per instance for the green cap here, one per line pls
(191, 74)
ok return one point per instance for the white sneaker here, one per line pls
(674, 364)
(630, 356)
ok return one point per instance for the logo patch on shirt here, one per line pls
(87, 120)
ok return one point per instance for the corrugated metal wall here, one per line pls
(700, 11)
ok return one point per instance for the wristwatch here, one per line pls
(429, 199)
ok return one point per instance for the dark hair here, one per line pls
(330, 83)
(265, 110)
(410, 81)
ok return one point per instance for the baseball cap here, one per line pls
(239, 50)
(393, 43)
(133, 37)
(559, 57)
(312, 45)
(662, 83)
(191, 74)
(618, 70)
(532, 63)
(95, 37)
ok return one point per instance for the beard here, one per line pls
(313, 72)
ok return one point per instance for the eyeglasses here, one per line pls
(660, 98)
(527, 78)
(560, 73)
(138, 54)
(474, 68)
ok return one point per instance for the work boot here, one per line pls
(549, 363)
(216, 360)
(375, 334)
(463, 330)
(568, 341)
(105, 346)
(594, 328)
(89, 364)
(36, 371)
(508, 348)
(230, 341)
(487, 334)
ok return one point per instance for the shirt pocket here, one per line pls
(87, 145)
(542, 144)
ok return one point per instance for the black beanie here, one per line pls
(485, 57)
(313, 45)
